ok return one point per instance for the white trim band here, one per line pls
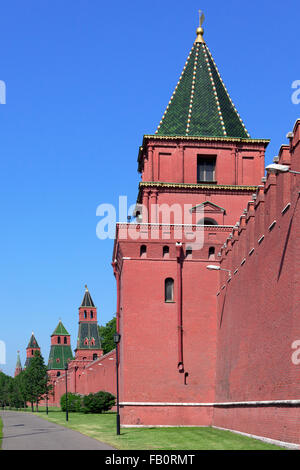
(233, 403)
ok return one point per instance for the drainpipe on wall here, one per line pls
(179, 306)
(117, 276)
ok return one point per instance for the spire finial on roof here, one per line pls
(86, 288)
(200, 30)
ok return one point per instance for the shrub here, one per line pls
(98, 402)
(74, 402)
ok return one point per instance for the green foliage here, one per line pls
(98, 402)
(5, 389)
(106, 334)
(74, 402)
(36, 382)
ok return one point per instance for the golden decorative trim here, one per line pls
(145, 184)
(209, 139)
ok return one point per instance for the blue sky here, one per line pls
(85, 81)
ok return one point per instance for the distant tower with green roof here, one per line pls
(31, 350)
(18, 368)
(88, 341)
(60, 352)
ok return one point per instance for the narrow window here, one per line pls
(143, 251)
(85, 314)
(32, 352)
(92, 315)
(169, 290)
(58, 340)
(211, 252)
(206, 169)
(65, 340)
(95, 356)
(58, 374)
(166, 251)
(189, 251)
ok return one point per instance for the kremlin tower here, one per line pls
(31, 349)
(60, 352)
(198, 172)
(18, 368)
(88, 341)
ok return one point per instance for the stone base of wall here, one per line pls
(280, 422)
(165, 415)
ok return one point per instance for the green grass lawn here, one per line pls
(103, 428)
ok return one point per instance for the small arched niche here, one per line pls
(166, 252)
(211, 253)
(207, 221)
(143, 251)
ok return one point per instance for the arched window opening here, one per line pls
(207, 221)
(58, 374)
(95, 356)
(32, 352)
(169, 290)
(92, 314)
(85, 314)
(166, 251)
(143, 251)
(211, 252)
(58, 340)
(86, 342)
(65, 340)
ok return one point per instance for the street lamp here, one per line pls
(66, 375)
(117, 338)
(281, 168)
(214, 267)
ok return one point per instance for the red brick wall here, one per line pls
(258, 312)
(87, 377)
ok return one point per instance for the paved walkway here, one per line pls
(24, 431)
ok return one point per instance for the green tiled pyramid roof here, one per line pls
(18, 365)
(59, 355)
(88, 331)
(87, 299)
(32, 342)
(200, 104)
(60, 330)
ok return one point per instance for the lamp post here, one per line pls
(214, 267)
(281, 168)
(117, 338)
(47, 403)
(66, 375)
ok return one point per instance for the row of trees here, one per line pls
(33, 385)
(30, 386)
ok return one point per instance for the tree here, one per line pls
(106, 334)
(5, 389)
(36, 380)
